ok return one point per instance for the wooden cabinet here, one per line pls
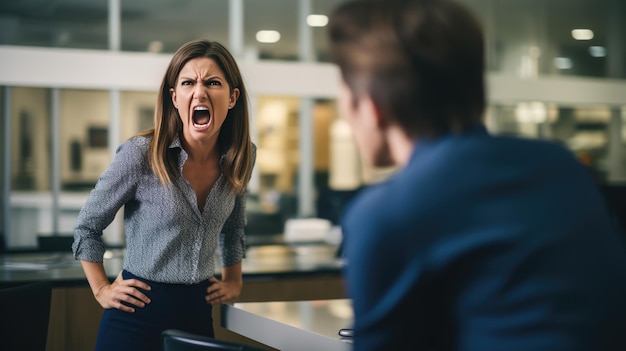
(75, 314)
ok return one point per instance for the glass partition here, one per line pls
(594, 133)
(3, 169)
(30, 198)
(84, 134)
(136, 112)
(319, 29)
(279, 156)
(36, 206)
(63, 24)
(271, 29)
(524, 38)
(276, 120)
(535, 37)
(163, 26)
(527, 41)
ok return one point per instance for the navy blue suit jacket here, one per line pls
(485, 243)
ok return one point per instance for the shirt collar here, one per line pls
(422, 145)
(176, 144)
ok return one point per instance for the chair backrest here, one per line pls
(177, 340)
(25, 315)
(55, 243)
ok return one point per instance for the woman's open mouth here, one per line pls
(201, 117)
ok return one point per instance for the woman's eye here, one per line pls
(214, 82)
(186, 82)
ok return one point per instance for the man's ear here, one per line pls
(370, 107)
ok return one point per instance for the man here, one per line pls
(478, 242)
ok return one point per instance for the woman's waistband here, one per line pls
(128, 275)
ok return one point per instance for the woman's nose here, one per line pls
(200, 92)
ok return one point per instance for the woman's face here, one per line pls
(202, 97)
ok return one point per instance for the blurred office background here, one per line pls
(78, 77)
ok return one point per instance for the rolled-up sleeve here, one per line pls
(232, 237)
(114, 188)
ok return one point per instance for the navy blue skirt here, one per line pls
(172, 306)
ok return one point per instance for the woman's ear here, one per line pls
(173, 95)
(233, 98)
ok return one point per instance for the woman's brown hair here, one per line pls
(234, 137)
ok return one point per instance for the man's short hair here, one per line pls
(421, 61)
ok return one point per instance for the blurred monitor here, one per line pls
(331, 203)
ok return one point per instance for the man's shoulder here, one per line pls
(492, 153)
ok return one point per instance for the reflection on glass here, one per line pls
(163, 26)
(525, 38)
(136, 112)
(535, 37)
(278, 159)
(271, 15)
(585, 130)
(84, 138)
(320, 34)
(2, 170)
(277, 149)
(63, 24)
(30, 200)
(30, 144)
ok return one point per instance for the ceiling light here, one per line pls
(563, 63)
(597, 51)
(582, 34)
(267, 36)
(317, 20)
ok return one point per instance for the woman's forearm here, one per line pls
(96, 275)
(232, 273)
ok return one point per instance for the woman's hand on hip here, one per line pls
(121, 290)
(222, 290)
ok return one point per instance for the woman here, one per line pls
(182, 185)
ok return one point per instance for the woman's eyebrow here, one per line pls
(205, 78)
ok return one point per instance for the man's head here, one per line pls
(419, 62)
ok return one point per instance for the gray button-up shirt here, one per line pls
(168, 239)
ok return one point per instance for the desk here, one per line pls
(261, 262)
(291, 326)
(270, 273)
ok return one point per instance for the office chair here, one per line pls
(25, 315)
(55, 243)
(177, 340)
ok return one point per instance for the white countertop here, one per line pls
(292, 325)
